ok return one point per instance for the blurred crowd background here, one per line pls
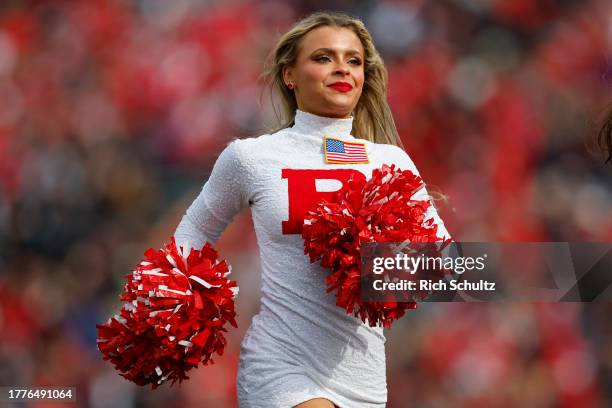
(112, 113)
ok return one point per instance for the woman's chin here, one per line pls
(338, 113)
(342, 107)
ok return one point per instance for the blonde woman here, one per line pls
(301, 350)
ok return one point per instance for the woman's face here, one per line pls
(328, 73)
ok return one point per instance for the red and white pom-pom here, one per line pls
(178, 304)
(377, 210)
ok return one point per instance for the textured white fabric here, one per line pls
(300, 345)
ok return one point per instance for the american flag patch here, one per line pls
(338, 151)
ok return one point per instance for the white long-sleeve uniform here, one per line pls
(300, 345)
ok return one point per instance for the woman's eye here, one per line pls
(325, 58)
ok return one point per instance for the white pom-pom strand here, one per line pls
(235, 291)
(203, 282)
(229, 271)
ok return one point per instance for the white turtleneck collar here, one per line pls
(320, 126)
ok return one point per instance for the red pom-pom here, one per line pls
(177, 306)
(377, 210)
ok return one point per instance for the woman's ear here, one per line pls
(287, 74)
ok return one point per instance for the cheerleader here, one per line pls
(301, 350)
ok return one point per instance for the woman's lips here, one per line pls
(341, 86)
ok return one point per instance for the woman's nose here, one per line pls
(342, 70)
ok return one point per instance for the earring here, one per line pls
(290, 85)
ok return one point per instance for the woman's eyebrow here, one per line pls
(351, 51)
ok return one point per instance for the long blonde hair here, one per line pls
(372, 118)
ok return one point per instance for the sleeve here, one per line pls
(221, 198)
(405, 163)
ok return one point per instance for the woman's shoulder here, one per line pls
(253, 142)
(382, 147)
(248, 151)
(391, 154)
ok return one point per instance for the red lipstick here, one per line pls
(341, 86)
